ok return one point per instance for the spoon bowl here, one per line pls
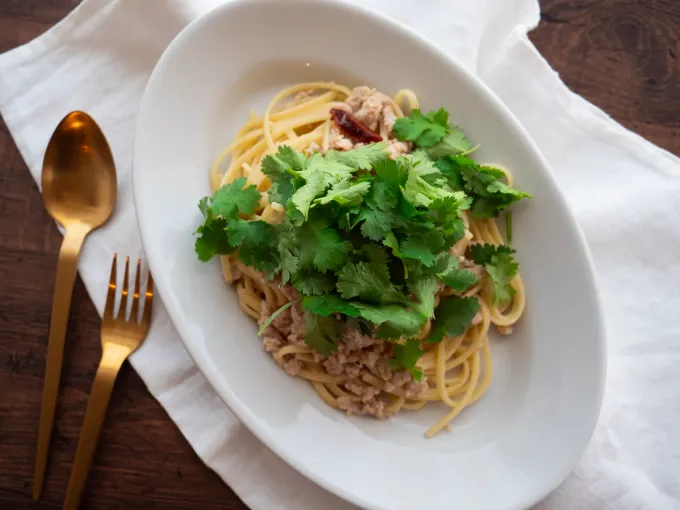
(79, 176)
(79, 191)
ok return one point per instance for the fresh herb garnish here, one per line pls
(406, 356)
(365, 239)
(447, 145)
(501, 267)
(483, 184)
(453, 315)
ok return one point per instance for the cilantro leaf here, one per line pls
(381, 196)
(276, 165)
(444, 263)
(501, 267)
(502, 270)
(319, 174)
(321, 333)
(375, 223)
(262, 259)
(421, 247)
(282, 190)
(213, 239)
(345, 193)
(425, 167)
(420, 193)
(396, 319)
(314, 186)
(485, 185)
(322, 247)
(391, 172)
(423, 287)
(459, 280)
(484, 253)
(328, 304)
(255, 232)
(362, 158)
(287, 247)
(310, 282)
(424, 130)
(453, 316)
(367, 281)
(447, 268)
(234, 197)
(331, 170)
(455, 142)
(204, 206)
(391, 242)
(406, 356)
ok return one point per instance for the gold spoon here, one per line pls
(79, 191)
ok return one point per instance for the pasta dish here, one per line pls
(363, 237)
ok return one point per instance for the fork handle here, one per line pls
(109, 366)
(67, 267)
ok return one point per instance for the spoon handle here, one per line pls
(63, 288)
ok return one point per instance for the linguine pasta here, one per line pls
(458, 370)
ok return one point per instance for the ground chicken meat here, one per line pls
(415, 389)
(354, 340)
(375, 408)
(352, 370)
(338, 141)
(370, 358)
(401, 377)
(292, 366)
(388, 118)
(271, 344)
(397, 148)
(313, 148)
(333, 365)
(374, 110)
(383, 369)
(370, 112)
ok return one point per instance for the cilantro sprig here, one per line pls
(365, 238)
(447, 146)
(483, 184)
(501, 267)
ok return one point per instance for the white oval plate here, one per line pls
(508, 450)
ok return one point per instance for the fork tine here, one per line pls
(148, 301)
(122, 311)
(111, 295)
(134, 311)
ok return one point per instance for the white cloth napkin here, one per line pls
(625, 192)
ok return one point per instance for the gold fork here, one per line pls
(120, 337)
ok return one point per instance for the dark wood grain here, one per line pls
(622, 55)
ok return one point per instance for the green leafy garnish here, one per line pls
(453, 315)
(321, 333)
(366, 238)
(501, 267)
(329, 304)
(234, 197)
(485, 185)
(424, 130)
(406, 356)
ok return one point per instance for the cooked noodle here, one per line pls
(458, 370)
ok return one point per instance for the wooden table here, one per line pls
(622, 55)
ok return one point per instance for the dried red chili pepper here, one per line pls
(353, 128)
